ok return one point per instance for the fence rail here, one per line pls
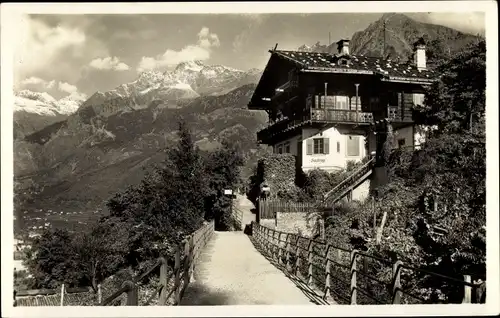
(173, 282)
(355, 277)
(269, 207)
(237, 216)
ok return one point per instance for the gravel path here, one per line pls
(230, 271)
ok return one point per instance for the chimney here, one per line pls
(343, 47)
(419, 57)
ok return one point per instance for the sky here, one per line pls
(82, 54)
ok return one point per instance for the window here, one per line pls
(287, 147)
(355, 104)
(418, 99)
(353, 147)
(318, 146)
(341, 102)
(394, 98)
(280, 149)
(401, 143)
(338, 146)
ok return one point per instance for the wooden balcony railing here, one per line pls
(340, 115)
(317, 114)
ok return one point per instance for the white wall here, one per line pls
(405, 133)
(334, 160)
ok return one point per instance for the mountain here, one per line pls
(401, 32)
(34, 110)
(100, 149)
(188, 80)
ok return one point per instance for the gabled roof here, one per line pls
(327, 62)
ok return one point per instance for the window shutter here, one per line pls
(309, 145)
(326, 145)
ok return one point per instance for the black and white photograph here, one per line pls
(249, 154)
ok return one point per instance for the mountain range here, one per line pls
(77, 153)
(401, 32)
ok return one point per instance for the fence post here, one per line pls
(132, 295)
(287, 246)
(62, 294)
(163, 281)
(467, 290)
(280, 253)
(327, 272)
(310, 263)
(99, 293)
(297, 258)
(396, 285)
(354, 255)
(177, 271)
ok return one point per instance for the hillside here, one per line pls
(401, 33)
(80, 162)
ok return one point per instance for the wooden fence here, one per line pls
(173, 282)
(354, 277)
(269, 207)
(237, 217)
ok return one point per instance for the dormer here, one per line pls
(343, 47)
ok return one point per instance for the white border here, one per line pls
(11, 11)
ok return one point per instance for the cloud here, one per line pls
(78, 96)
(37, 81)
(254, 21)
(109, 63)
(199, 51)
(40, 45)
(473, 22)
(67, 88)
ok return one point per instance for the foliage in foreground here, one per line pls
(435, 202)
(145, 221)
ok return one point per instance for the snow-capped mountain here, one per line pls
(44, 104)
(35, 110)
(318, 47)
(188, 80)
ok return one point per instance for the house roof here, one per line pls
(76, 299)
(327, 62)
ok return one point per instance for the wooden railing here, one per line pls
(237, 216)
(269, 207)
(336, 193)
(173, 282)
(340, 115)
(332, 272)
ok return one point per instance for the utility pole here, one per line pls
(329, 38)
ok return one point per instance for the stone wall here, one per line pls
(301, 223)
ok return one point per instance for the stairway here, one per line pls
(350, 183)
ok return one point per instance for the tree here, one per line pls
(100, 252)
(166, 206)
(223, 171)
(449, 170)
(51, 260)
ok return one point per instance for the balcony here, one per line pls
(317, 115)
